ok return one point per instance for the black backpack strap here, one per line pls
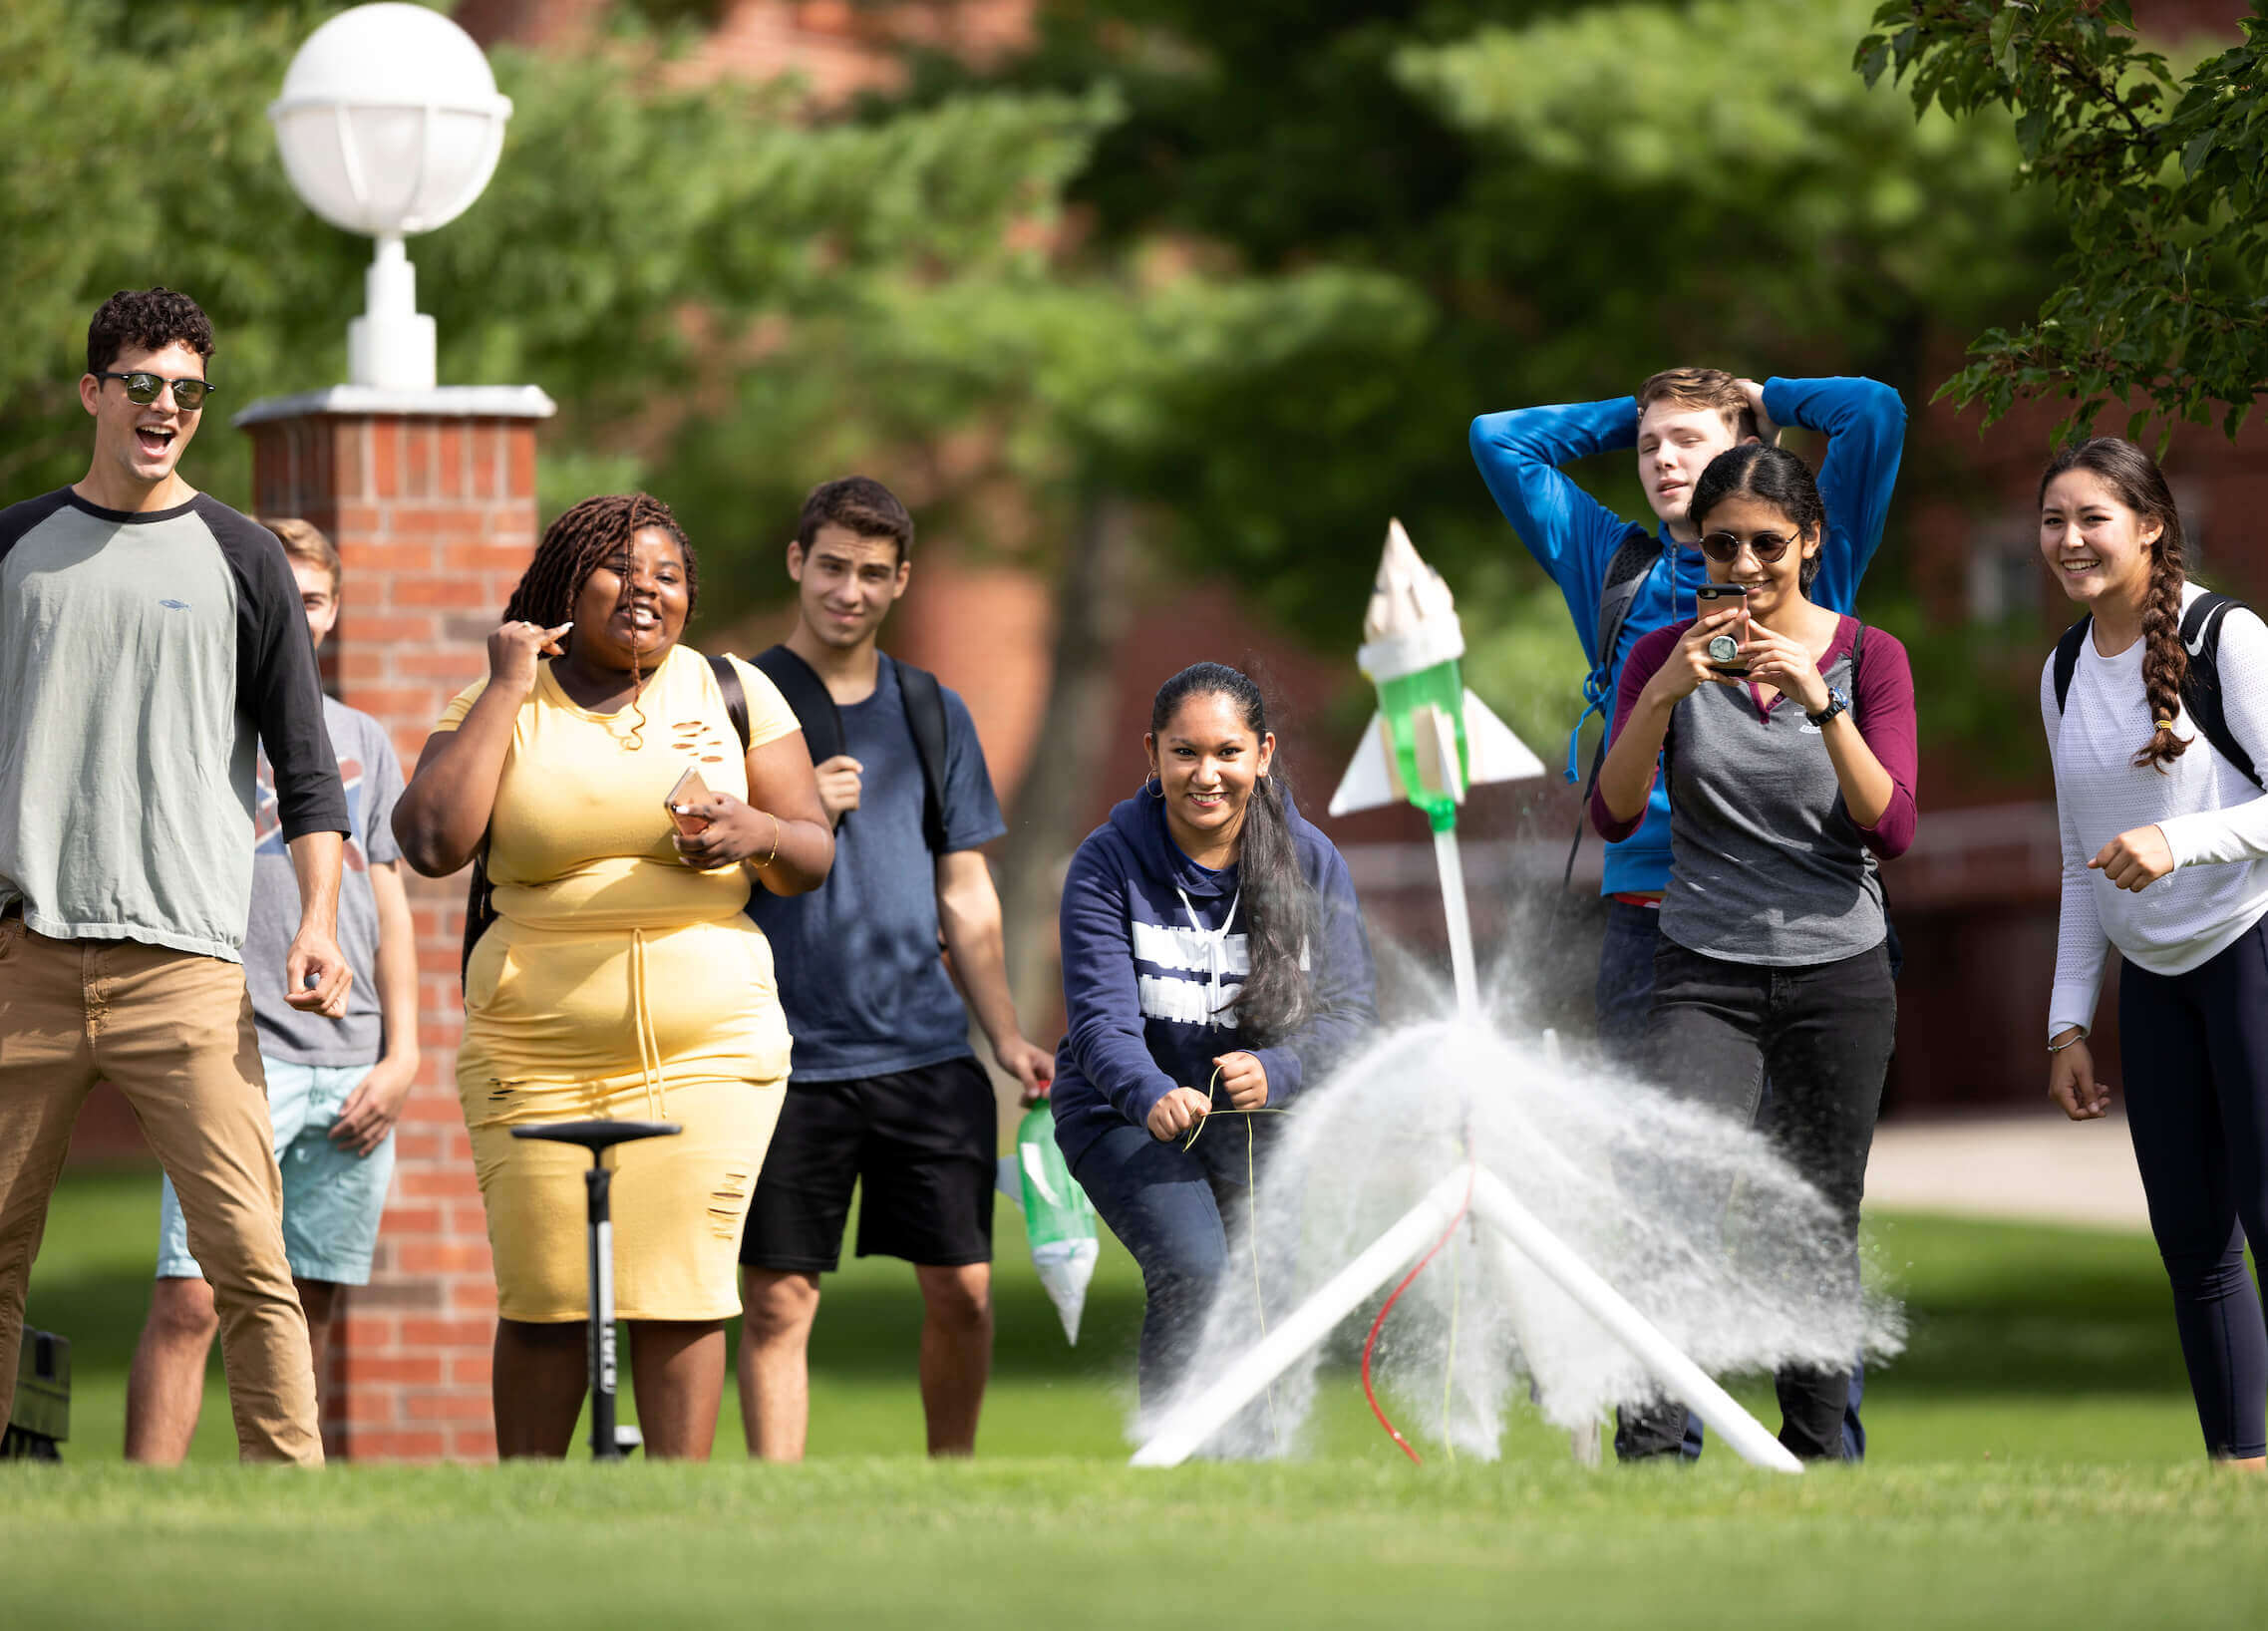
(2066, 659)
(2201, 683)
(735, 694)
(808, 697)
(479, 911)
(924, 701)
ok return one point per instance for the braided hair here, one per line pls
(586, 536)
(2133, 475)
(1280, 909)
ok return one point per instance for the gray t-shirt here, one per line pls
(859, 975)
(143, 658)
(373, 780)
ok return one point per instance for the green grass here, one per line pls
(2035, 1462)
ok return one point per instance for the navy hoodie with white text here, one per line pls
(1142, 966)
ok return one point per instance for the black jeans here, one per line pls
(2193, 1049)
(1821, 1034)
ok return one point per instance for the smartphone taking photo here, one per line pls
(1725, 645)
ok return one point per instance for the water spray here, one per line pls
(1429, 741)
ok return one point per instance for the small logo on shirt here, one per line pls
(174, 605)
(1809, 728)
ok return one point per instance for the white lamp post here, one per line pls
(390, 124)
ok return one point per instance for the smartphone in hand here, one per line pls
(690, 790)
(1725, 645)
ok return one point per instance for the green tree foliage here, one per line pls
(2159, 178)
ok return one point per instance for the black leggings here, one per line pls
(2194, 1053)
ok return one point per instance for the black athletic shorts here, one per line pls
(921, 1145)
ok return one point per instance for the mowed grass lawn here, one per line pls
(2034, 1461)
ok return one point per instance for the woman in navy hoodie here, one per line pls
(1213, 958)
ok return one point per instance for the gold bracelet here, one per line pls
(759, 866)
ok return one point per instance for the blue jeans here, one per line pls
(1173, 1208)
(1625, 1003)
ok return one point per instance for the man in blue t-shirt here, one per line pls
(1680, 419)
(884, 1092)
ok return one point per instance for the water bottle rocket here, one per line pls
(1059, 1219)
(1431, 738)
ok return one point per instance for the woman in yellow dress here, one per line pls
(621, 977)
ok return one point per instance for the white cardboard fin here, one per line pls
(1493, 752)
(1369, 779)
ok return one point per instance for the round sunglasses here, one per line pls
(141, 389)
(1725, 547)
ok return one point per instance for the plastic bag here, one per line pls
(1058, 1216)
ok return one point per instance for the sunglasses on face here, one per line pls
(1725, 547)
(141, 389)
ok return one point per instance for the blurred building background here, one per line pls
(1154, 312)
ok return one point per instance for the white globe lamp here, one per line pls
(390, 124)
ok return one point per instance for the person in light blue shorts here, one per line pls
(335, 1087)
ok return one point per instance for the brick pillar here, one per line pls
(431, 498)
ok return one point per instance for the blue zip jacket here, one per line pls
(1140, 978)
(1573, 536)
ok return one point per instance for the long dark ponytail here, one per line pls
(1279, 907)
(2140, 486)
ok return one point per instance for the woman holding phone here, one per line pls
(621, 977)
(1787, 732)
(2165, 856)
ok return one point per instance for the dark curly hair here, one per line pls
(1775, 476)
(584, 539)
(1279, 905)
(146, 320)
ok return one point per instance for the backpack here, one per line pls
(480, 896)
(815, 710)
(2200, 686)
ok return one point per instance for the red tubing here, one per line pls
(1370, 1341)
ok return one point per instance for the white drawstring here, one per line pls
(1216, 949)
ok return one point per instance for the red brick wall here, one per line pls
(434, 519)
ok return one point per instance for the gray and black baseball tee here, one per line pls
(143, 661)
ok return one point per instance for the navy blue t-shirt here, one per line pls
(859, 975)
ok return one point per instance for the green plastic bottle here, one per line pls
(1058, 1218)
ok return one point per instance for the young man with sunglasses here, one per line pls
(1622, 579)
(151, 640)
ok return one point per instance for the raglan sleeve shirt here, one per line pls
(1570, 534)
(1645, 660)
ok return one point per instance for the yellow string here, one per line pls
(1251, 1215)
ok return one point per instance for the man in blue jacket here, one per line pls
(1622, 580)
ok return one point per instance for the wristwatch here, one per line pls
(1838, 703)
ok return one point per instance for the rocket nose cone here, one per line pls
(1406, 591)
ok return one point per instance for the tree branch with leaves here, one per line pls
(2161, 304)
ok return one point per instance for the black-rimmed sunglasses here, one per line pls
(141, 389)
(1725, 547)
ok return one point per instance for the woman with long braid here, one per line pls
(1213, 960)
(621, 976)
(2165, 856)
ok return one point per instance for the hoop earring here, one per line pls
(1154, 787)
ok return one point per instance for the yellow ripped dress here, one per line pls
(617, 981)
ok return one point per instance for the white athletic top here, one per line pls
(2215, 821)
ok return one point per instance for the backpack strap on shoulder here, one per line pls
(734, 695)
(1626, 572)
(807, 698)
(2067, 658)
(2201, 681)
(925, 702)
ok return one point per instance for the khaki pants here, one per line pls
(173, 1031)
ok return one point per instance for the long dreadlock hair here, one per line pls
(584, 538)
